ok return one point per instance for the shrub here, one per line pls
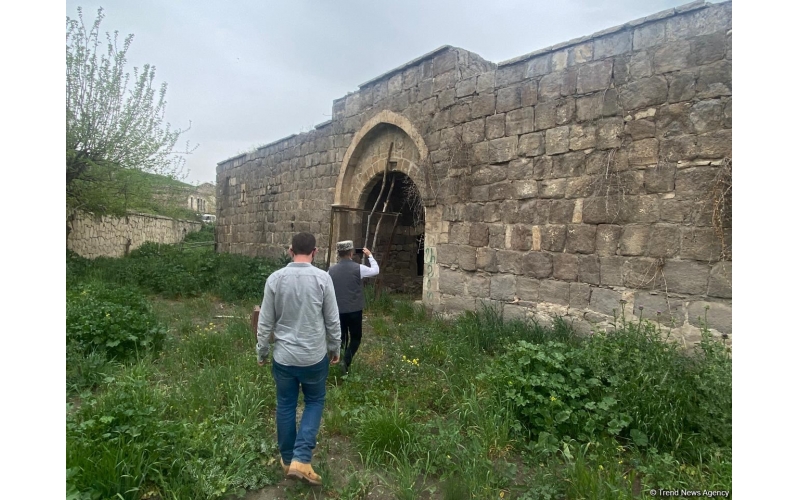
(118, 322)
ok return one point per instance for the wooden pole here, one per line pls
(383, 185)
(385, 205)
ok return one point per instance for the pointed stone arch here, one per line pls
(355, 174)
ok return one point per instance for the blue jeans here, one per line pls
(297, 444)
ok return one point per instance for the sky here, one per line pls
(244, 74)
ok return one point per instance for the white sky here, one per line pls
(248, 73)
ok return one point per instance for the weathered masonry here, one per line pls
(577, 180)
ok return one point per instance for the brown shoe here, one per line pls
(303, 471)
(285, 467)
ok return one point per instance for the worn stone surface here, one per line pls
(720, 280)
(528, 289)
(554, 292)
(581, 238)
(634, 240)
(557, 140)
(579, 294)
(714, 315)
(537, 264)
(607, 239)
(605, 301)
(553, 237)
(664, 241)
(589, 269)
(565, 266)
(686, 276)
(503, 287)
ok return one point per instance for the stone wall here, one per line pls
(104, 236)
(576, 180)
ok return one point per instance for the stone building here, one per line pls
(576, 180)
(202, 199)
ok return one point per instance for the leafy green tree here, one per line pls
(115, 124)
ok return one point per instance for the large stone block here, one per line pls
(607, 239)
(543, 167)
(521, 168)
(581, 238)
(466, 258)
(660, 178)
(673, 120)
(452, 282)
(582, 137)
(714, 80)
(700, 243)
(686, 277)
(613, 44)
(594, 76)
(531, 144)
(589, 269)
(534, 212)
(478, 234)
(649, 35)
(716, 144)
(527, 289)
(561, 211)
(708, 48)
(643, 93)
(478, 285)
(580, 187)
(707, 116)
(525, 189)
(497, 235)
(568, 165)
(565, 266)
(488, 174)
(720, 282)
(509, 98)
(634, 240)
(486, 260)
(552, 188)
(458, 303)
(557, 140)
(507, 75)
(502, 150)
(483, 105)
(682, 86)
(640, 129)
(460, 112)
(553, 237)
(520, 237)
(519, 121)
(714, 315)
(605, 301)
(673, 56)
(665, 241)
(609, 133)
(473, 131)
(509, 261)
(501, 191)
(641, 65)
(459, 234)
(503, 287)
(695, 183)
(537, 264)
(681, 148)
(659, 307)
(486, 81)
(554, 292)
(643, 152)
(496, 126)
(579, 294)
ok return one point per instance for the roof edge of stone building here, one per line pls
(664, 14)
(408, 64)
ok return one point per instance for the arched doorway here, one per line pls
(387, 142)
(400, 251)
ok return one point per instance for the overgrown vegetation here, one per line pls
(474, 407)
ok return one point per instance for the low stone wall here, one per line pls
(104, 236)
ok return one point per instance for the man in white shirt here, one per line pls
(347, 277)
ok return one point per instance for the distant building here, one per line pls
(202, 199)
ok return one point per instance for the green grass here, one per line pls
(432, 408)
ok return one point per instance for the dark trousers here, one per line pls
(351, 334)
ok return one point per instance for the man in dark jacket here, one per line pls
(347, 278)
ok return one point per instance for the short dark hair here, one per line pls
(303, 243)
(345, 253)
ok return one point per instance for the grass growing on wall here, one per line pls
(473, 407)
